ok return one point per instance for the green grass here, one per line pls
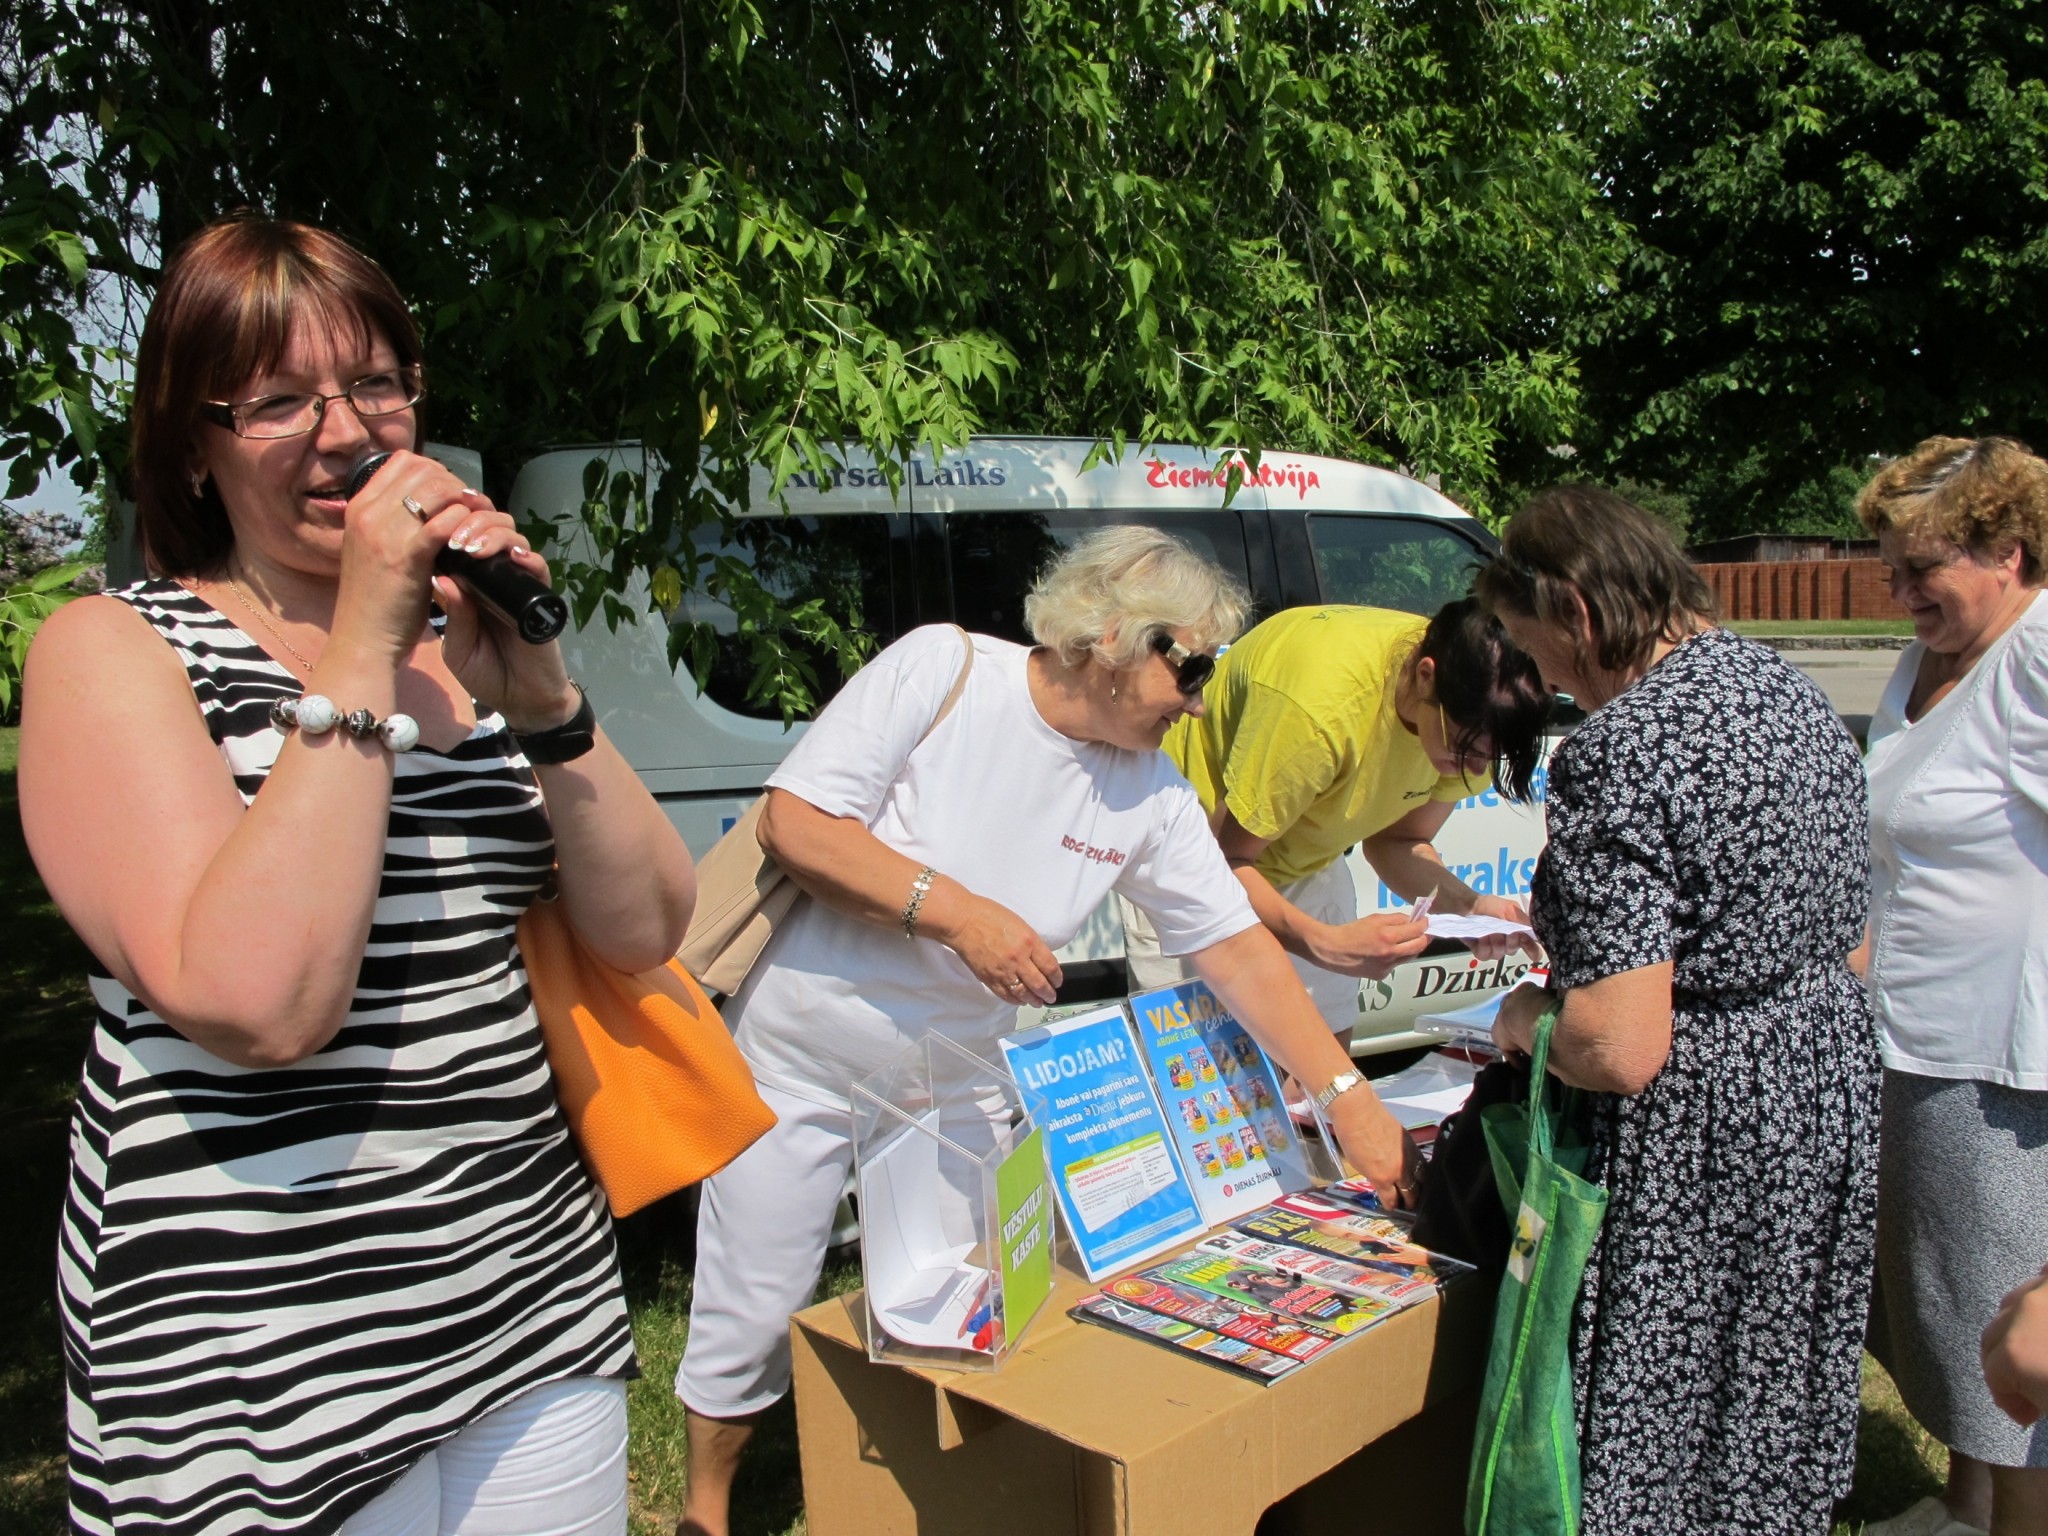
(1822, 626)
(768, 1498)
(1897, 1462)
(45, 1017)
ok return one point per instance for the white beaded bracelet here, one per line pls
(920, 888)
(316, 715)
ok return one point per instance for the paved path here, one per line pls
(1853, 680)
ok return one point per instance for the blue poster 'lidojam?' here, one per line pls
(1222, 1101)
(1121, 1191)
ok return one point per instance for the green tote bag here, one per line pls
(1525, 1462)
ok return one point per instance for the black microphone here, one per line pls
(525, 602)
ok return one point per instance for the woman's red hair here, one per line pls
(225, 313)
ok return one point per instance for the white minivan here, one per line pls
(960, 541)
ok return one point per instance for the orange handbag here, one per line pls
(657, 1094)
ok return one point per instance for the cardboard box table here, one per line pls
(1094, 1433)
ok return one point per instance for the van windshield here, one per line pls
(1380, 560)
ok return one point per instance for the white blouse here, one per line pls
(1959, 867)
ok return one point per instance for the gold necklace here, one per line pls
(257, 613)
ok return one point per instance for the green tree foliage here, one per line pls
(744, 232)
(24, 604)
(53, 400)
(40, 571)
(1841, 209)
(34, 541)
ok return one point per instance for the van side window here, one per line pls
(1383, 561)
(994, 557)
(841, 560)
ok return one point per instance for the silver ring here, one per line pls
(413, 507)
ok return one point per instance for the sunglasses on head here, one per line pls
(1191, 669)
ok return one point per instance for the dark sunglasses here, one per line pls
(1191, 669)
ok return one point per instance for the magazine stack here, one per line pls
(1284, 1285)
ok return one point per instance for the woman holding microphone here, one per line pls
(328, 1260)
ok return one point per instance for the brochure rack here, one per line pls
(955, 1205)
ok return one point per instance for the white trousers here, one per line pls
(763, 1224)
(552, 1462)
(1329, 896)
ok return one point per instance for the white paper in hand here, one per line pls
(1451, 925)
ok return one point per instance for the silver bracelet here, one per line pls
(315, 714)
(920, 888)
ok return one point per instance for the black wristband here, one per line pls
(565, 742)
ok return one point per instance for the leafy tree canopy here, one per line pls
(744, 231)
(1840, 210)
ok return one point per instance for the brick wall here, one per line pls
(1803, 589)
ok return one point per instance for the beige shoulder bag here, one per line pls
(743, 895)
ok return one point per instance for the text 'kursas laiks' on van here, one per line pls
(960, 541)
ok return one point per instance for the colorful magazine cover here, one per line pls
(1121, 1192)
(1387, 1252)
(1287, 1295)
(1319, 1206)
(1372, 1242)
(1239, 1320)
(1358, 1194)
(1394, 1285)
(1222, 1100)
(1260, 1365)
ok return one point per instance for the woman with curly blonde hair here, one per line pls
(1958, 955)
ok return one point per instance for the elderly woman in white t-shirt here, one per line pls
(946, 863)
(1958, 956)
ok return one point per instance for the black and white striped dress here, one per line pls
(281, 1287)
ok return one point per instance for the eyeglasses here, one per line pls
(1191, 669)
(268, 416)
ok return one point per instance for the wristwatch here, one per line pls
(1336, 1088)
(565, 742)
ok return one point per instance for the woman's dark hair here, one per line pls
(1490, 691)
(224, 313)
(1638, 589)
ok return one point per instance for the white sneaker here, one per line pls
(1930, 1517)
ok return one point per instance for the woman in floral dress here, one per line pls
(1705, 881)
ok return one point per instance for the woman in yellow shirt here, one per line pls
(1325, 727)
